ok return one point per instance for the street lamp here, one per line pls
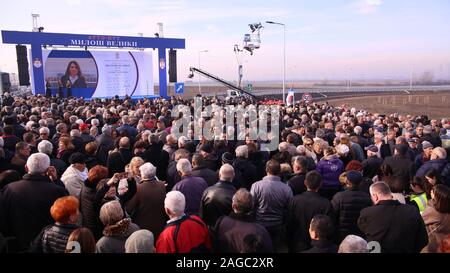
(199, 87)
(284, 55)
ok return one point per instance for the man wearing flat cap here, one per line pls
(372, 163)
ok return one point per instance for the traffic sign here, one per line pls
(179, 88)
(307, 98)
(249, 87)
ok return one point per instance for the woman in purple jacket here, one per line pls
(330, 167)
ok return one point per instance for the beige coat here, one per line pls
(438, 228)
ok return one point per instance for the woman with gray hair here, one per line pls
(117, 229)
(141, 241)
(353, 244)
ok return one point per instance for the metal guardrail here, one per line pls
(343, 89)
(262, 92)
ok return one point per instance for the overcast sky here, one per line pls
(371, 39)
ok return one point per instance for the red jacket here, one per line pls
(186, 235)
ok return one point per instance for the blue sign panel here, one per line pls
(179, 88)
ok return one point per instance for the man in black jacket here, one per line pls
(302, 209)
(245, 170)
(157, 156)
(373, 163)
(398, 228)
(402, 166)
(117, 160)
(297, 182)
(173, 176)
(348, 204)
(216, 200)
(384, 149)
(321, 231)
(25, 204)
(105, 144)
(199, 169)
(430, 136)
(238, 232)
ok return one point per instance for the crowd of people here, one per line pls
(110, 176)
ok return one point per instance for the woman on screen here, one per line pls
(74, 75)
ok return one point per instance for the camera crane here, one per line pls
(220, 80)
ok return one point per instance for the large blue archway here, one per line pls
(38, 40)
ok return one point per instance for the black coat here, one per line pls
(88, 210)
(398, 228)
(6, 165)
(105, 144)
(231, 233)
(212, 162)
(87, 138)
(173, 176)
(347, 206)
(59, 165)
(245, 173)
(65, 155)
(9, 145)
(216, 202)
(402, 167)
(256, 159)
(433, 139)
(322, 246)
(91, 162)
(25, 207)
(117, 161)
(301, 210)
(159, 158)
(78, 143)
(297, 183)
(52, 239)
(385, 150)
(19, 130)
(79, 83)
(372, 166)
(209, 175)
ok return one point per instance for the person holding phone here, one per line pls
(121, 191)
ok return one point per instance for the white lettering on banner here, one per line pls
(76, 42)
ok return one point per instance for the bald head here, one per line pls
(380, 191)
(226, 173)
(124, 143)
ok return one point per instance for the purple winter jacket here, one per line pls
(330, 167)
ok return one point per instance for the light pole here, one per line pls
(284, 55)
(411, 79)
(199, 87)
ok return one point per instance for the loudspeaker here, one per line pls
(22, 65)
(172, 65)
(6, 82)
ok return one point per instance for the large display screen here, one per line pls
(99, 74)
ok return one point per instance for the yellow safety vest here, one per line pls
(421, 201)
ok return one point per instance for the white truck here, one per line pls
(232, 94)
